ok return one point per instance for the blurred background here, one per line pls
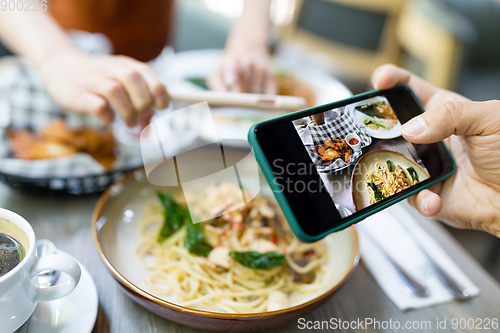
(451, 43)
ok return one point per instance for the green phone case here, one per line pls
(297, 230)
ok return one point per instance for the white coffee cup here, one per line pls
(19, 291)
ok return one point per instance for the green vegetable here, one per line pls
(413, 174)
(174, 216)
(368, 121)
(378, 124)
(390, 165)
(266, 282)
(258, 260)
(200, 82)
(378, 195)
(193, 241)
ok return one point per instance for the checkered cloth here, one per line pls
(338, 128)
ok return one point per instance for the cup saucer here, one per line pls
(75, 313)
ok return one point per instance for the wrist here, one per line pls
(237, 41)
(56, 56)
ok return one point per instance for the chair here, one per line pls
(350, 38)
(432, 37)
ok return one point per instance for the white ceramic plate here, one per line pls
(75, 313)
(392, 133)
(360, 117)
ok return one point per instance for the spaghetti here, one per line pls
(388, 179)
(254, 263)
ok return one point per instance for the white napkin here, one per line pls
(305, 136)
(387, 229)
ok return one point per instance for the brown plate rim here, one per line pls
(95, 217)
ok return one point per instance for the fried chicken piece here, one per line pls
(95, 142)
(58, 140)
(105, 160)
(87, 140)
(330, 154)
(321, 149)
(29, 147)
(344, 147)
(332, 143)
(58, 131)
(347, 156)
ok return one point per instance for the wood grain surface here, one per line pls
(66, 221)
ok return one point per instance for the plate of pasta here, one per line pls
(243, 270)
(383, 173)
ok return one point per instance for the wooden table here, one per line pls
(66, 221)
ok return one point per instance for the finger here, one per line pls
(84, 101)
(240, 77)
(134, 85)
(453, 117)
(156, 88)
(388, 75)
(116, 95)
(426, 202)
(145, 117)
(95, 105)
(229, 75)
(270, 86)
(256, 79)
(215, 82)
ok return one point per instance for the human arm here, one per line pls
(80, 82)
(246, 65)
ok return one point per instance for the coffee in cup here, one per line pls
(11, 253)
(19, 267)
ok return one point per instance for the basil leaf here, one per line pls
(390, 165)
(258, 260)
(413, 174)
(378, 195)
(193, 241)
(174, 216)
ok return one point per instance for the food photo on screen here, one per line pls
(360, 154)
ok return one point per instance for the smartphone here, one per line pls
(333, 165)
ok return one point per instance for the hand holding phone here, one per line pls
(470, 199)
(327, 176)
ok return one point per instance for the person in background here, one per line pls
(138, 30)
(471, 131)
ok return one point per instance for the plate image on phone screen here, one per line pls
(340, 162)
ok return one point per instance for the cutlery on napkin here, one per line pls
(385, 227)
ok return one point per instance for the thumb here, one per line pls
(453, 117)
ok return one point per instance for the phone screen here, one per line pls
(340, 161)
